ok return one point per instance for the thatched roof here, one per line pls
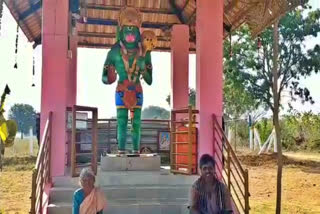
(157, 15)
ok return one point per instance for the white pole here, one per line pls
(271, 140)
(257, 138)
(270, 143)
(263, 147)
(266, 144)
(31, 140)
(250, 138)
(229, 134)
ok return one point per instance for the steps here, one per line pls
(133, 192)
(129, 208)
(62, 194)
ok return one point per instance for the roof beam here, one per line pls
(112, 22)
(112, 35)
(241, 15)
(125, 3)
(185, 5)
(117, 8)
(22, 25)
(33, 8)
(99, 35)
(95, 45)
(94, 21)
(231, 5)
(39, 19)
(192, 17)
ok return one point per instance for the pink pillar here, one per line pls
(55, 68)
(180, 66)
(72, 74)
(209, 76)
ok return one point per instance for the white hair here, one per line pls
(86, 174)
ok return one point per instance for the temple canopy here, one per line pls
(158, 15)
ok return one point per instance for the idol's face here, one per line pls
(130, 35)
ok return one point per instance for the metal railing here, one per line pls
(41, 173)
(150, 128)
(233, 175)
(183, 154)
(93, 130)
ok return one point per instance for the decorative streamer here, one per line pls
(16, 50)
(259, 43)
(259, 54)
(1, 10)
(33, 71)
(230, 39)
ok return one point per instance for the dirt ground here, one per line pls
(15, 185)
(301, 183)
(15, 179)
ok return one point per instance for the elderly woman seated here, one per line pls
(208, 194)
(88, 199)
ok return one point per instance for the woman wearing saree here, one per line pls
(88, 199)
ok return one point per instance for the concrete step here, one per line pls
(141, 192)
(132, 207)
(131, 192)
(162, 177)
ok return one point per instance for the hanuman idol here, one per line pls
(130, 60)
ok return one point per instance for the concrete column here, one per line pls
(55, 67)
(209, 76)
(72, 74)
(179, 66)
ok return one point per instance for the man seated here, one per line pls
(208, 194)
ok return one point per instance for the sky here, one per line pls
(91, 91)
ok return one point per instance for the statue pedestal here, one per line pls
(130, 163)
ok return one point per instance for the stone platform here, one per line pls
(129, 192)
(147, 162)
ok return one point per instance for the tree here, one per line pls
(24, 115)
(192, 97)
(275, 63)
(276, 105)
(252, 66)
(237, 101)
(155, 112)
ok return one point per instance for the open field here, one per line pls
(15, 179)
(21, 148)
(313, 156)
(301, 181)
